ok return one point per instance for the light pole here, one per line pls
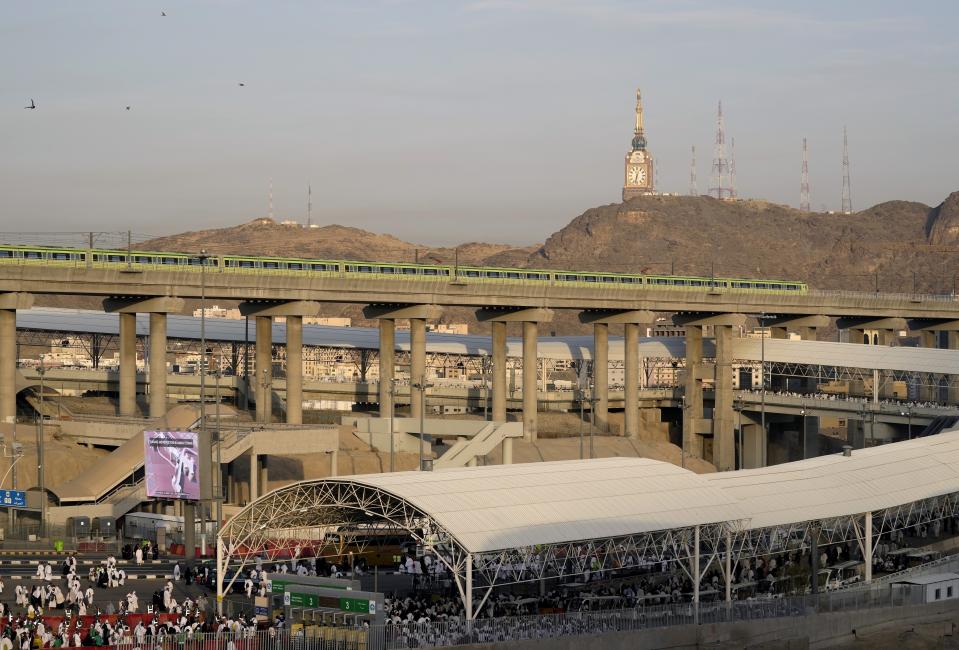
(739, 431)
(802, 412)
(908, 412)
(219, 467)
(422, 386)
(203, 370)
(43, 494)
(392, 389)
(582, 419)
(682, 436)
(762, 403)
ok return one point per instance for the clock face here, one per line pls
(636, 175)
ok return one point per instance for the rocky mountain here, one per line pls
(897, 245)
(267, 237)
(899, 241)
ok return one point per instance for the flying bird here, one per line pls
(128, 108)
(32, 105)
(163, 13)
(241, 84)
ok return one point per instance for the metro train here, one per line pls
(147, 260)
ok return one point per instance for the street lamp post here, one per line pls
(40, 469)
(203, 370)
(739, 431)
(682, 435)
(582, 419)
(802, 412)
(762, 404)
(219, 466)
(422, 386)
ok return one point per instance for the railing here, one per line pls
(347, 635)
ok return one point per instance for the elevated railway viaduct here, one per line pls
(128, 289)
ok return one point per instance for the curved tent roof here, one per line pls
(501, 507)
(509, 506)
(835, 486)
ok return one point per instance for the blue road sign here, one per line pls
(13, 498)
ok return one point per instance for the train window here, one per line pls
(535, 276)
(294, 266)
(169, 260)
(387, 269)
(32, 255)
(431, 272)
(471, 273)
(142, 259)
(116, 258)
(246, 264)
(493, 274)
(60, 256)
(591, 278)
(661, 281)
(364, 269)
(409, 271)
(6, 253)
(607, 279)
(271, 265)
(443, 272)
(776, 286)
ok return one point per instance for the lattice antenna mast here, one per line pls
(693, 186)
(309, 205)
(846, 195)
(270, 211)
(719, 188)
(732, 168)
(804, 186)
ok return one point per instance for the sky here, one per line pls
(445, 121)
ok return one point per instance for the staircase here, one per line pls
(483, 443)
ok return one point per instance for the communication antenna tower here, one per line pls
(309, 205)
(719, 188)
(270, 213)
(693, 189)
(846, 196)
(732, 168)
(804, 186)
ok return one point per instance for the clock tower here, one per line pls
(638, 172)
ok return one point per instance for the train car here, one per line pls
(98, 258)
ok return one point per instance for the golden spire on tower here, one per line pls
(639, 113)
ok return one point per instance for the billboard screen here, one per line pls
(171, 463)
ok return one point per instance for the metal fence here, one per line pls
(324, 635)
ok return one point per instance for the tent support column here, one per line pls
(729, 566)
(696, 575)
(469, 588)
(867, 555)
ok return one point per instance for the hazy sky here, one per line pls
(493, 120)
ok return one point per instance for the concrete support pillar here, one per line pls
(8, 365)
(601, 376)
(294, 370)
(867, 552)
(417, 365)
(507, 451)
(952, 343)
(232, 495)
(254, 477)
(808, 333)
(387, 362)
(857, 335)
(264, 369)
(724, 444)
(693, 395)
(158, 396)
(264, 481)
(499, 370)
(631, 388)
(128, 364)
(530, 400)
(778, 332)
(189, 532)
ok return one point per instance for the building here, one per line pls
(638, 169)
